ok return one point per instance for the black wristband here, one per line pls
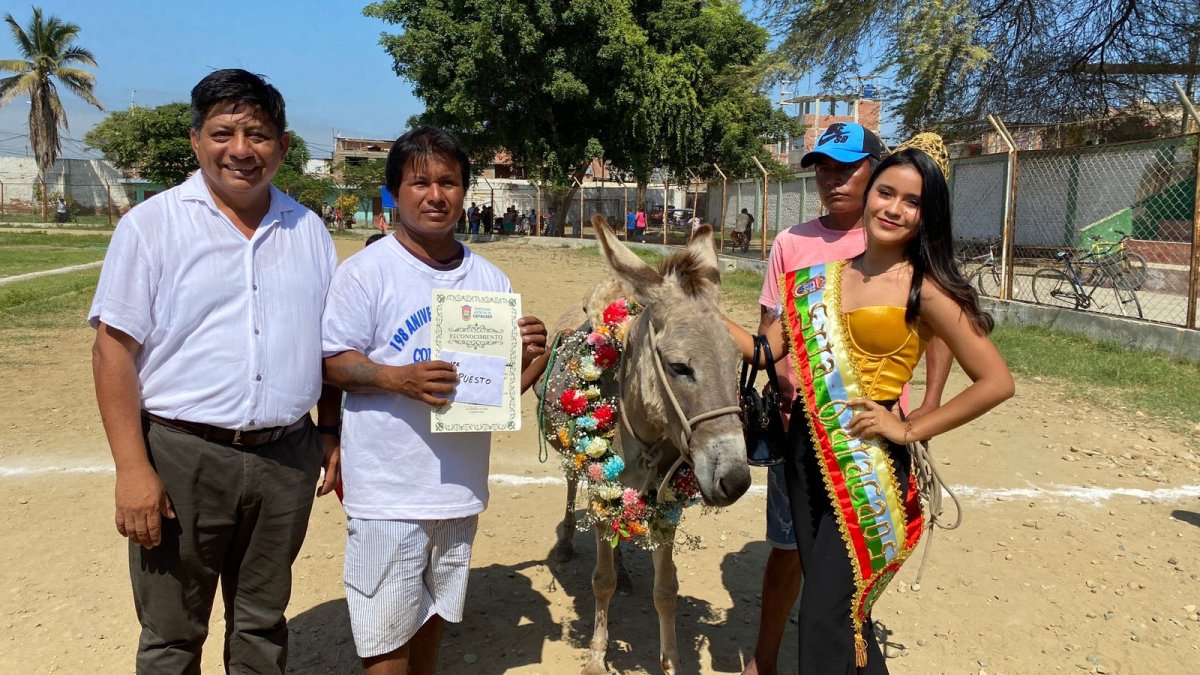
(330, 430)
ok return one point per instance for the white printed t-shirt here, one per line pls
(393, 467)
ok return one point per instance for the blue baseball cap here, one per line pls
(845, 142)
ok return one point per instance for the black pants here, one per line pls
(241, 516)
(826, 631)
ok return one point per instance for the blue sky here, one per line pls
(323, 55)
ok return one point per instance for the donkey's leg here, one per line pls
(624, 580)
(564, 549)
(604, 582)
(666, 594)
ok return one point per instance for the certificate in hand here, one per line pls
(468, 324)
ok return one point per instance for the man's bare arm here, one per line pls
(141, 500)
(353, 372)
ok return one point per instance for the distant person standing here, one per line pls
(60, 210)
(473, 219)
(639, 224)
(207, 361)
(630, 225)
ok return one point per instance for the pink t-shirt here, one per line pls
(804, 245)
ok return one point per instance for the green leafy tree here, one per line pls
(559, 82)
(150, 142)
(954, 62)
(47, 54)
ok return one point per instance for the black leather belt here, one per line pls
(208, 432)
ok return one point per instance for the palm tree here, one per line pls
(47, 54)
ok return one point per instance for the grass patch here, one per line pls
(59, 301)
(22, 252)
(1105, 372)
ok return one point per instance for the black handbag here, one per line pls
(762, 420)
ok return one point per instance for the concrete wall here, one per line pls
(88, 182)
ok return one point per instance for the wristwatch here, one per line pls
(330, 430)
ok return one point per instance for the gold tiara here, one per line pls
(932, 145)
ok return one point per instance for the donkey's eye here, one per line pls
(682, 370)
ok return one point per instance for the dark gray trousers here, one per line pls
(241, 516)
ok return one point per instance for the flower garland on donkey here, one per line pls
(584, 421)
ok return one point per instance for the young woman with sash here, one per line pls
(856, 330)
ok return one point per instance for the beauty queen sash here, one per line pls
(879, 523)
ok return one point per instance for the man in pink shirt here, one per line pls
(845, 155)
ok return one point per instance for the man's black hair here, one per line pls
(423, 143)
(241, 88)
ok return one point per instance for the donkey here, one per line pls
(678, 403)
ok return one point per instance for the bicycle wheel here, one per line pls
(1134, 267)
(986, 280)
(1054, 288)
(1127, 299)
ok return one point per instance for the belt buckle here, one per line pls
(237, 437)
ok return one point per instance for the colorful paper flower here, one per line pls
(573, 402)
(589, 370)
(591, 393)
(609, 491)
(580, 460)
(604, 416)
(617, 312)
(586, 423)
(630, 496)
(606, 356)
(613, 466)
(595, 472)
(596, 338)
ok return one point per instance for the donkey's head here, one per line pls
(683, 363)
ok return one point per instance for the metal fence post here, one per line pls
(721, 222)
(1, 199)
(666, 183)
(109, 209)
(1008, 234)
(1194, 276)
(763, 226)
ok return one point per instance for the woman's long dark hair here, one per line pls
(931, 252)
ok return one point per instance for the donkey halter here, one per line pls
(652, 455)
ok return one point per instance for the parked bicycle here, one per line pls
(1056, 287)
(1133, 266)
(984, 271)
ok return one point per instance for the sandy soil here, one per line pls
(1079, 552)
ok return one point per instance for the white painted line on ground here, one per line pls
(1077, 493)
(45, 273)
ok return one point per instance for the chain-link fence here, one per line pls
(1107, 228)
(788, 203)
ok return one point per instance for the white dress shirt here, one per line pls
(229, 327)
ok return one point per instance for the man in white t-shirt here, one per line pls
(412, 498)
(844, 155)
(207, 361)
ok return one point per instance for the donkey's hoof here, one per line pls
(595, 667)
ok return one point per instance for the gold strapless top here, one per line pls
(884, 348)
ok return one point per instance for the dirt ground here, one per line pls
(1080, 550)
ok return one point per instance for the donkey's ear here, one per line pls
(702, 246)
(624, 263)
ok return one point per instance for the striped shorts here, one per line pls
(399, 573)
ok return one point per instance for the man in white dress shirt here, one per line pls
(207, 361)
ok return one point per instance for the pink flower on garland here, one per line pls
(603, 416)
(617, 312)
(606, 356)
(573, 402)
(630, 496)
(595, 472)
(595, 339)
